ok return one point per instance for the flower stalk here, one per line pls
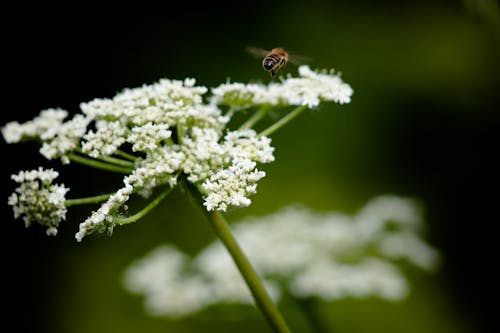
(146, 209)
(261, 113)
(126, 155)
(117, 161)
(283, 121)
(223, 232)
(87, 200)
(98, 164)
(252, 279)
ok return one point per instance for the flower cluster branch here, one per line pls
(155, 134)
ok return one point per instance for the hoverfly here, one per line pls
(276, 59)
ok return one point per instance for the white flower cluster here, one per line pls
(168, 102)
(38, 200)
(172, 131)
(231, 186)
(105, 141)
(310, 89)
(44, 126)
(329, 256)
(102, 220)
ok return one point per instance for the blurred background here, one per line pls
(423, 122)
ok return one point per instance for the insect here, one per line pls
(275, 59)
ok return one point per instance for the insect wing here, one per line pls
(257, 51)
(297, 59)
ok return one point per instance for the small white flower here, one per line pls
(203, 153)
(45, 125)
(310, 89)
(169, 102)
(158, 168)
(64, 139)
(240, 95)
(246, 144)
(103, 219)
(232, 186)
(106, 140)
(38, 200)
(148, 136)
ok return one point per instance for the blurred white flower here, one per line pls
(306, 254)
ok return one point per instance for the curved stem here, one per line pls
(252, 279)
(230, 112)
(126, 155)
(283, 121)
(88, 200)
(117, 161)
(146, 209)
(262, 298)
(256, 117)
(98, 164)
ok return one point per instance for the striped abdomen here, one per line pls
(275, 60)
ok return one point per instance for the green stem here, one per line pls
(255, 118)
(88, 200)
(180, 133)
(252, 279)
(283, 121)
(98, 164)
(126, 155)
(309, 308)
(230, 112)
(146, 209)
(110, 159)
(262, 298)
(117, 161)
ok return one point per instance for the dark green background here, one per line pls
(423, 122)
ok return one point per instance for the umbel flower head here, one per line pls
(37, 200)
(298, 252)
(166, 132)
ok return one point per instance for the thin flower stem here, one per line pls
(146, 209)
(309, 309)
(283, 121)
(110, 159)
(88, 200)
(262, 298)
(180, 133)
(255, 118)
(98, 164)
(126, 155)
(252, 279)
(230, 112)
(117, 161)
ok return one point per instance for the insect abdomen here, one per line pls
(272, 61)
